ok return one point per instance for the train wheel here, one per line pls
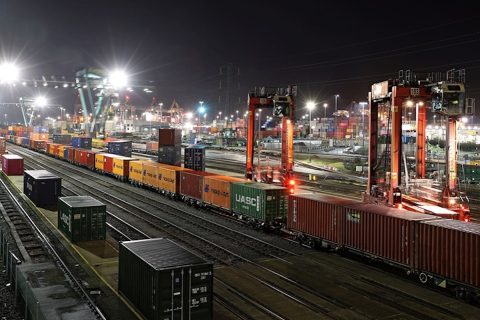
(423, 277)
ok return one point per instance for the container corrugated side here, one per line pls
(191, 183)
(317, 215)
(169, 177)
(42, 187)
(259, 201)
(135, 169)
(151, 174)
(120, 166)
(12, 165)
(450, 249)
(99, 161)
(383, 232)
(82, 223)
(216, 190)
(180, 290)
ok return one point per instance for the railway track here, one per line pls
(296, 290)
(48, 241)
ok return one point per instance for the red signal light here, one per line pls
(467, 219)
(291, 182)
(291, 190)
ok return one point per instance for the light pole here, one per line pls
(363, 123)
(161, 115)
(336, 101)
(325, 106)
(310, 106)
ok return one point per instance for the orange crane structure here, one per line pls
(387, 100)
(282, 101)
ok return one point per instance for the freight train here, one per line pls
(439, 251)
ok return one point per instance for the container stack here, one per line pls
(194, 158)
(42, 187)
(82, 142)
(82, 218)
(170, 146)
(164, 280)
(120, 147)
(12, 165)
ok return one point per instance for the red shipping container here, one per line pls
(108, 162)
(71, 154)
(85, 158)
(152, 146)
(191, 183)
(317, 215)
(383, 232)
(169, 137)
(12, 165)
(449, 248)
(39, 145)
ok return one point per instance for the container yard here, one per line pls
(149, 172)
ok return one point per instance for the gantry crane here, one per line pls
(386, 102)
(282, 101)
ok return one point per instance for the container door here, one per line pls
(177, 293)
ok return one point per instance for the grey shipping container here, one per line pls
(42, 187)
(62, 139)
(165, 281)
(194, 158)
(120, 147)
(82, 218)
(169, 137)
(171, 155)
(263, 202)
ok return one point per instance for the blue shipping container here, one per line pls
(39, 129)
(82, 142)
(120, 147)
(26, 142)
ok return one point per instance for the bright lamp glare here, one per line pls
(311, 105)
(201, 110)
(118, 79)
(8, 73)
(464, 119)
(189, 115)
(40, 102)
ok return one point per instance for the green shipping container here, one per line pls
(82, 218)
(263, 202)
(165, 281)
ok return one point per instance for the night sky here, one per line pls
(327, 47)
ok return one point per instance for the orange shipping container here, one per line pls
(216, 190)
(39, 136)
(121, 166)
(136, 171)
(152, 146)
(99, 161)
(169, 177)
(150, 174)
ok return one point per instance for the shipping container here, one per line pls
(62, 139)
(85, 158)
(194, 158)
(40, 129)
(381, 232)
(108, 162)
(18, 140)
(69, 154)
(171, 155)
(151, 174)
(152, 147)
(25, 142)
(169, 178)
(98, 143)
(121, 168)
(259, 201)
(82, 218)
(169, 137)
(120, 147)
(217, 190)
(191, 184)
(99, 161)
(82, 142)
(12, 165)
(136, 169)
(316, 216)
(450, 249)
(39, 136)
(53, 149)
(165, 281)
(62, 153)
(42, 187)
(39, 145)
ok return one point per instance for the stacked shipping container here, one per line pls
(120, 147)
(194, 158)
(170, 146)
